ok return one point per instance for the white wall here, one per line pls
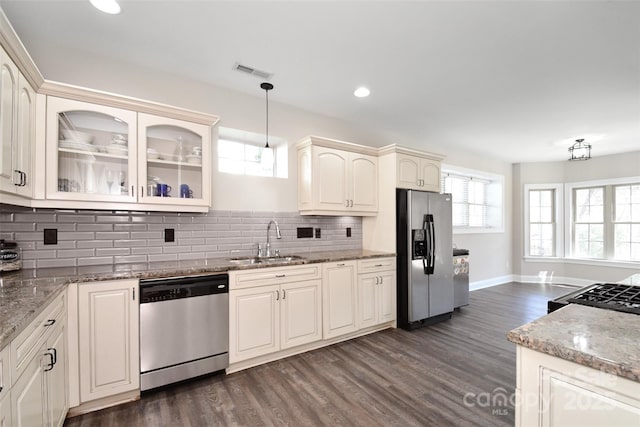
(599, 167)
(490, 253)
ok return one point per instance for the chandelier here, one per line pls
(580, 150)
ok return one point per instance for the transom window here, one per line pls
(244, 153)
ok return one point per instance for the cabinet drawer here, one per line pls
(376, 264)
(5, 379)
(273, 275)
(36, 332)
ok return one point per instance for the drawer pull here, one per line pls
(281, 275)
(1, 388)
(50, 322)
(378, 265)
(340, 265)
(50, 364)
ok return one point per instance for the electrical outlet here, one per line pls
(304, 232)
(348, 231)
(169, 235)
(50, 236)
(317, 233)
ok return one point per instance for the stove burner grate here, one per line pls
(611, 296)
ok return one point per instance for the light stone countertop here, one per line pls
(601, 339)
(25, 293)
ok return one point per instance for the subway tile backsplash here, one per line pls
(100, 237)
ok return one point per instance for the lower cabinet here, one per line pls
(5, 411)
(108, 338)
(339, 308)
(376, 292)
(268, 318)
(553, 392)
(39, 395)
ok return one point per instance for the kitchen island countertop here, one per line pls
(601, 339)
(25, 293)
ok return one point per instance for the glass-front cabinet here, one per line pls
(172, 170)
(101, 157)
(91, 152)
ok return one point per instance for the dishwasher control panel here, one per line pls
(173, 289)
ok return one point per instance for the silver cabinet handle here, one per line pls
(381, 280)
(347, 203)
(142, 190)
(281, 275)
(284, 294)
(377, 278)
(351, 203)
(277, 295)
(378, 265)
(340, 265)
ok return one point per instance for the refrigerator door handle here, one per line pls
(432, 244)
(428, 227)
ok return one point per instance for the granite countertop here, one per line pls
(601, 339)
(25, 293)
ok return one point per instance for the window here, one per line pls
(588, 222)
(543, 220)
(605, 220)
(476, 199)
(627, 222)
(244, 153)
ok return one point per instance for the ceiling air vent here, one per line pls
(254, 72)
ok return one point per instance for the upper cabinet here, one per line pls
(415, 170)
(103, 157)
(336, 178)
(17, 129)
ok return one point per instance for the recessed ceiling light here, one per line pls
(362, 92)
(107, 6)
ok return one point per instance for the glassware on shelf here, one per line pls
(109, 178)
(122, 179)
(179, 153)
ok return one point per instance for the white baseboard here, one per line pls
(481, 284)
(554, 280)
(572, 281)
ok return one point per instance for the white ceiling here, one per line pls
(515, 80)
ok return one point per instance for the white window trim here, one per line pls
(559, 218)
(492, 178)
(568, 194)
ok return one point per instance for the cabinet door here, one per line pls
(108, 338)
(175, 153)
(430, 174)
(339, 299)
(28, 396)
(330, 179)
(254, 322)
(91, 152)
(25, 139)
(363, 183)
(301, 313)
(8, 105)
(367, 313)
(386, 297)
(5, 411)
(57, 378)
(408, 172)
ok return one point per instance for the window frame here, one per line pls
(278, 146)
(494, 198)
(558, 208)
(608, 221)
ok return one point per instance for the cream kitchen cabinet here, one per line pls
(103, 157)
(418, 173)
(166, 152)
(339, 298)
(336, 178)
(376, 291)
(273, 309)
(17, 129)
(553, 392)
(5, 411)
(108, 336)
(39, 370)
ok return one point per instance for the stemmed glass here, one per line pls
(109, 177)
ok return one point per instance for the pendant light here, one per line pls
(267, 87)
(580, 150)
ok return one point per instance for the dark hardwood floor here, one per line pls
(455, 373)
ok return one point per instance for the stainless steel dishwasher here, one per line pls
(184, 328)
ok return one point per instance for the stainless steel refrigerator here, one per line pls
(425, 258)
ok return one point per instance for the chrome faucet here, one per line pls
(266, 250)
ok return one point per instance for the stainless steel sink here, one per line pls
(265, 260)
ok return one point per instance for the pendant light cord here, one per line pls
(267, 87)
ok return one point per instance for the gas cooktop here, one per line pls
(611, 296)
